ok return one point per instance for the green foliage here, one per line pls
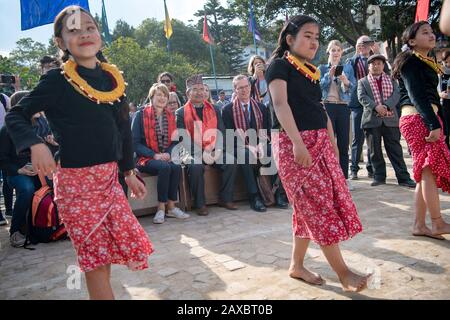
(141, 66)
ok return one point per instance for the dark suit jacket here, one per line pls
(367, 100)
(228, 119)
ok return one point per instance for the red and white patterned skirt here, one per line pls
(324, 211)
(98, 218)
(425, 154)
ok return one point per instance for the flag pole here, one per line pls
(252, 18)
(213, 67)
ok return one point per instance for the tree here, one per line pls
(141, 66)
(122, 29)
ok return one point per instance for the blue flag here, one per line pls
(252, 25)
(35, 13)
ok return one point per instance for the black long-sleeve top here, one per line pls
(139, 143)
(88, 133)
(418, 87)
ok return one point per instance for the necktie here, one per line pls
(246, 114)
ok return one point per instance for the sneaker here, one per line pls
(377, 183)
(177, 213)
(354, 176)
(350, 185)
(17, 239)
(159, 217)
(370, 175)
(3, 221)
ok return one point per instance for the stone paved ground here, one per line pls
(245, 255)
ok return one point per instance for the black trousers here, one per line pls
(169, 175)
(339, 115)
(446, 120)
(197, 182)
(391, 139)
(358, 142)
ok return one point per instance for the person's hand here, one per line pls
(138, 190)
(434, 135)
(344, 80)
(443, 95)
(25, 171)
(50, 139)
(157, 156)
(208, 157)
(301, 155)
(381, 110)
(259, 70)
(217, 154)
(165, 156)
(332, 71)
(42, 160)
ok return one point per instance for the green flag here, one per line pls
(105, 32)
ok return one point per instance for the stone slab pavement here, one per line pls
(245, 255)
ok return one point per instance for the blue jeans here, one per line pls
(358, 141)
(7, 191)
(169, 175)
(25, 187)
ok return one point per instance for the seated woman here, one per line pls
(20, 174)
(152, 129)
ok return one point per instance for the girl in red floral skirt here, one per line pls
(421, 126)
(85, 106)
(306, 155)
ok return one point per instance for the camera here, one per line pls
(7, 79)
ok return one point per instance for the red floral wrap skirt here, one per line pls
(98, 218)
(324, 211)
(434, 155)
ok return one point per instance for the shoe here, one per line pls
(370, 175)
(17, 240)
(3, 221)
(203, 211)
(281, 201)
(177, 213)
(228, 205)
(350, 185)
(354, 176)
(257, 204)
(408, 183)
(377, 183)
(159, 217)
(9, 213)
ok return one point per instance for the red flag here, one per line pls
(206, 36)
(423, 7)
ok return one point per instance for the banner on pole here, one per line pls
(423, 7)
(35, 13)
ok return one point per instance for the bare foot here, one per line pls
(302, 273)
(354, 282)
(424, 231)
(442, 228)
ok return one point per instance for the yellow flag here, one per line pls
(167, 24)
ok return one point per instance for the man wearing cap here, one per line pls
(360, 68)
(379, 95)
(198, 117)
(222, 102)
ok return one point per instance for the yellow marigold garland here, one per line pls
(309, 70)
(430, 62)
(81, 86)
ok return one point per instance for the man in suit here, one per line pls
(201, 129)
(379, 95)
(245, 116)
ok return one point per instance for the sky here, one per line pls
(131, 11)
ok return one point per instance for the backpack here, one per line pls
(43, 223)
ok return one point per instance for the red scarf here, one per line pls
(210, 121)
(149, 121)
(386, 85)
(360, 69)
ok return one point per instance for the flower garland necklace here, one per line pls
(309, 70)
(69, 70)
(430, 62)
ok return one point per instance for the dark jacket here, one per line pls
(418, 87)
